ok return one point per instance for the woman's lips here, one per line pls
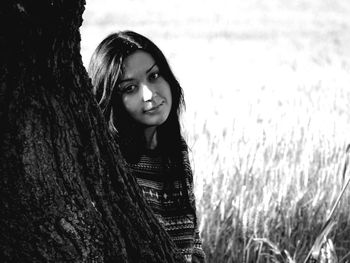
(150, 106)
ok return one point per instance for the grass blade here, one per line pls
(330, 222)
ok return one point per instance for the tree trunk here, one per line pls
(65, 195)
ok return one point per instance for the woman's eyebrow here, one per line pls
(125, 80)
(130, 79)
(148, 70)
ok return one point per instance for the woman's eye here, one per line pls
(129, 88)
(154, 75)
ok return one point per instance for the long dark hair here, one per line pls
(105, 70)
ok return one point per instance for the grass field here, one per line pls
(268, 114)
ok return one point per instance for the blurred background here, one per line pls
(267, 120)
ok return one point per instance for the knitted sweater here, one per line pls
(179, 223)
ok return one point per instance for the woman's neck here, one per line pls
(151, 137)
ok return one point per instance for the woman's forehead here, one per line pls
(139, 62)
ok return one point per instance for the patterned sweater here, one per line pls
(179, 224)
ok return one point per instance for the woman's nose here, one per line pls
(146, 93)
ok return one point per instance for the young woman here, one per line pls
(141, 101)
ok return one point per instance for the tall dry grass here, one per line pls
(266, 188)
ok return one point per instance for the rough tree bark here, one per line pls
(65, 195)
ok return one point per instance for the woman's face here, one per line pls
(146, 95)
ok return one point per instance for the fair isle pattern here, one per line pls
(180, 225)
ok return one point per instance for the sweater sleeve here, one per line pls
(198, 255)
